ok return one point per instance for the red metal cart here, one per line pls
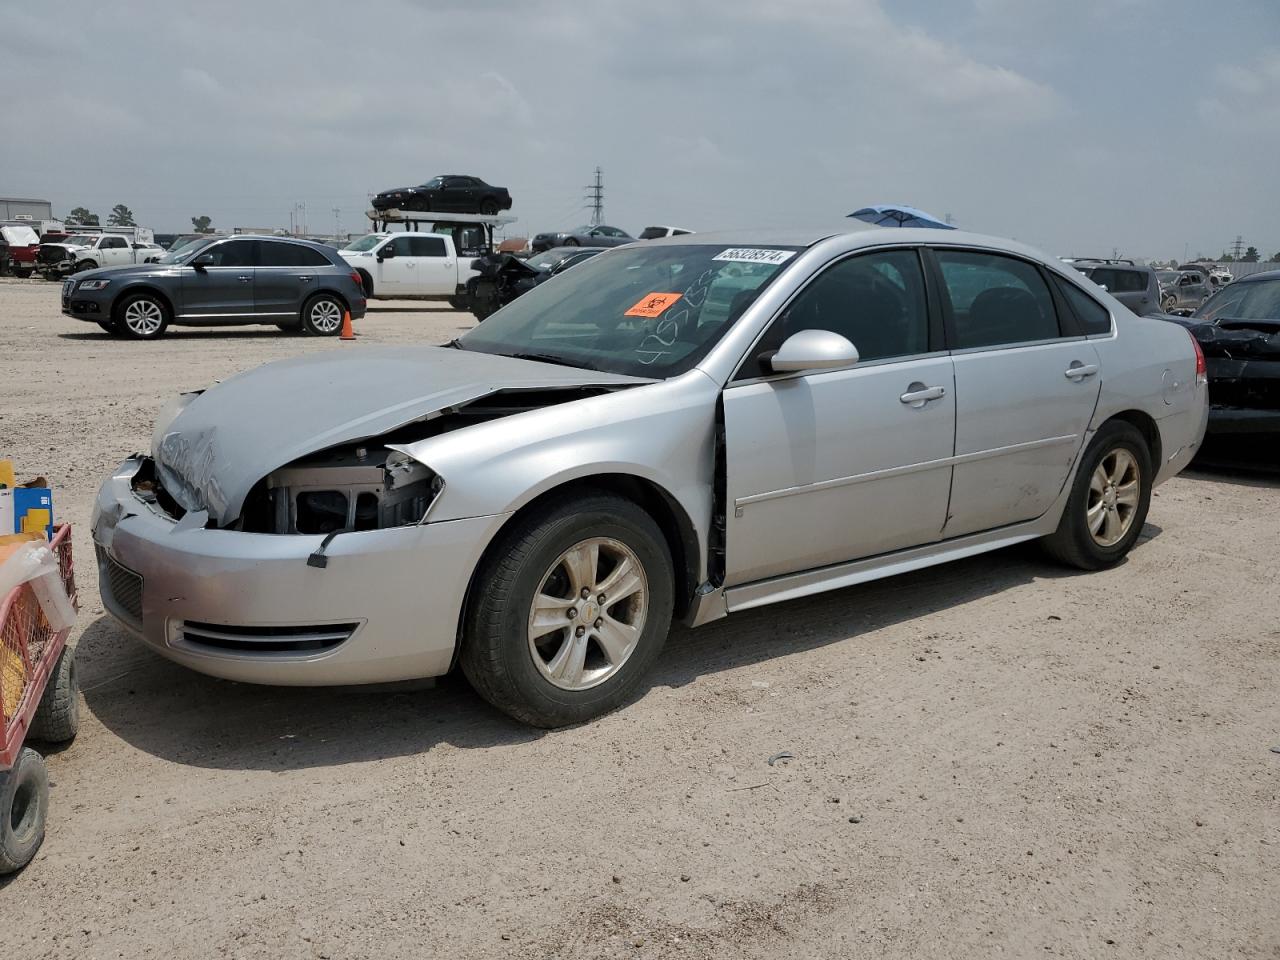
(39, 697)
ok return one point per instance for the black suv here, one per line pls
(294, 284)
(1133, 284)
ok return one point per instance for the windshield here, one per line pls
(1253, 300)
(365, 243)
(185, 251)
(549, 258)
(434, 183)
(648, 312)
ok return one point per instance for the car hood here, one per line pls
(67, 246)
(211, 448)
(125, 270)
(389, 190)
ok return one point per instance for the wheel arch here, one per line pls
(137, 288)
(366, 281)
(1150, 430)
(678, 530)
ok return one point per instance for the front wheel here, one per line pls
(1168, 304)
(1108, 502)
(571, 242)
(21, 274)
(322, 315)
(84, 265)
(142, 316)
(24, 805)
(570, 609)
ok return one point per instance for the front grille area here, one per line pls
(53, 254)
(122, 584)
(311, 638)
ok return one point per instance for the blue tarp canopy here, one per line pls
(896, 215)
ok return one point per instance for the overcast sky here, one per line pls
(1151, 127)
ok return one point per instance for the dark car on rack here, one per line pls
(588, 236)
(1238, 330)
(222, 281)
(451, 193)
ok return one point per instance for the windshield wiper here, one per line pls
(456, 344)
(547, 358)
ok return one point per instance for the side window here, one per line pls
(427, 247)
(876, 301)
(233, 253)
(275, 253)
(996, 300)
(114, 243)
(1093, 316)
(401, 246)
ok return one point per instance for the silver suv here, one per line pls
(1133, 284)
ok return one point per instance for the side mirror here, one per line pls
(204, 260)
(387, 252)
(813, 350)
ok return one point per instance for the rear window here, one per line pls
(1118, 280)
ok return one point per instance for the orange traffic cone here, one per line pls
(347, 332)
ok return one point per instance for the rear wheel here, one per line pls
(322, 315)
(57, 717)
(1108, 502)
(142, 316)
(571, 242)
(24, 805)
(489, 207)
(571, 608)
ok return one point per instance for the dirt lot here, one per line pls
(990, 758)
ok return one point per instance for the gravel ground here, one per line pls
(994, 757)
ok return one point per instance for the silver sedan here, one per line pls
(684, 428)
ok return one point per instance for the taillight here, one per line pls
(355, 275)
(1202, 369)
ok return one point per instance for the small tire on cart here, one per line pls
(24, 805)
(57, 717)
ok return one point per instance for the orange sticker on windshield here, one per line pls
(653, 304)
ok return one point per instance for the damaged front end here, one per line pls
(243, 456)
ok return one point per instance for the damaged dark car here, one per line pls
(1238, 329)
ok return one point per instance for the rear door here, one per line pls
(223, 291)
(285, 277)
(1027, 382)
(436, 266)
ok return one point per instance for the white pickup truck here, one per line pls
(410, 266)
(88, 251)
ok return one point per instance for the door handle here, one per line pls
(918, 394)
(243, 279)
(1079, 371)
(304, 279)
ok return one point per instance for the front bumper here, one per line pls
(248, 607)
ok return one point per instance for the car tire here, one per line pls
(24, 806)
(489, 207)
(366, 283)
(1103, 518)
(605, 648)
(84, 265)
(22, 274)
(571, 242)
(57, 716)
(1169, 304)
(141, 316)
(111, 327)
(322, 315)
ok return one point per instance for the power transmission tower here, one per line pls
(337, 223)
(595, 198)
(1237, 248)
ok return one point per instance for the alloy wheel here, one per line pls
(326, 316)
(588, 613)
(1114, 491)
(143, 317)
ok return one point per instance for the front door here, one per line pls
(223, 291)
(1026, 388)
(394, 274)
(832, 466)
